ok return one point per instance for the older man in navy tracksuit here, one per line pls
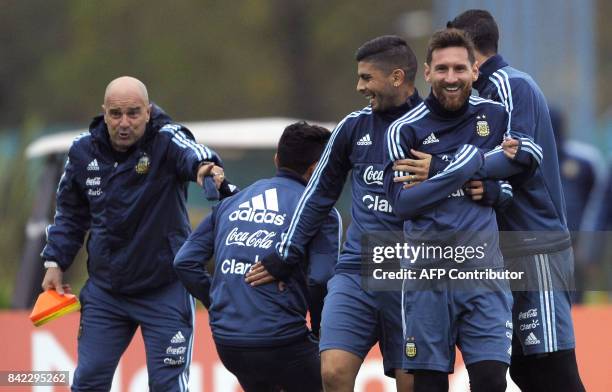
(126, 182)
(260, 332)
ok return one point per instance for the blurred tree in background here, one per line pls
(200, 59)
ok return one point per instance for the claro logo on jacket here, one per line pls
(262, 208)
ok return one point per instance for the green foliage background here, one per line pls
(201, 59)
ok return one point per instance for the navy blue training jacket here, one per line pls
(240, 231)
(356, 146)
(438, 212)
(538, 205)
(133, 204)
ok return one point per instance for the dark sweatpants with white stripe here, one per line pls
(166, 317)
(541, 314)
(543, 356)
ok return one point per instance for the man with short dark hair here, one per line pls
(543, 357)
(439, 313)
(260, 333)
(126, 182)
(354, 318)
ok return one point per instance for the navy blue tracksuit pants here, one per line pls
(108, 322)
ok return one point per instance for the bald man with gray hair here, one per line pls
(125, 181)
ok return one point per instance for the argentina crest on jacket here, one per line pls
(482, 126)
(142, 167)
(410, 349)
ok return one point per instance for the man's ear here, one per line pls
(426, 72)
(276, 160)
(399, 76)
(104, 114)
(475, 70)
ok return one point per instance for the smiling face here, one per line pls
(126, 112)
(451, 75)
(378, 86)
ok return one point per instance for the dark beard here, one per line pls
(454, 105)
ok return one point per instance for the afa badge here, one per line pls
(142, 167)
(482, 128)
(410, 349)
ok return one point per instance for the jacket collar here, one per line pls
(487, 68)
